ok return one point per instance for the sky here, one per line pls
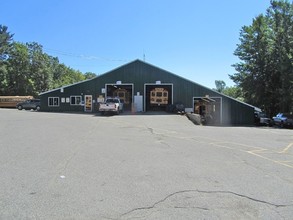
(194, 39)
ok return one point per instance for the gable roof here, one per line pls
(52, 90)
(63, 87)
(151, 65)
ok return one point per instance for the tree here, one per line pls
(64, 75)
(40, 70)
(265, 50)
(220, 85)
(89, 75)
(3, 78)
(233, 91)
(5, 47)
(26, 70)
(18, 70)
(5, 42)
(281, 20)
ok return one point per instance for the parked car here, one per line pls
(260, 118)
(111, 105)
(34, 104)
(283, 120)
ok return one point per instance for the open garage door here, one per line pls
(158, 96)
(123, 91)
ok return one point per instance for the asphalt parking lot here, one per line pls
(84, 166)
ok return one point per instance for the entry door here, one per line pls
(88, 107)
(138, 103)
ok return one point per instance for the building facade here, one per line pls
(144, 87)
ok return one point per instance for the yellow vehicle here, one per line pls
(159, 97)
(11, 101)
(123, 95)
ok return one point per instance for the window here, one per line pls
(75, 100)
(53, 101)
(159, 94)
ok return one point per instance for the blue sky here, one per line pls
(191, 38)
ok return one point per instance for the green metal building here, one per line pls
(140, 85)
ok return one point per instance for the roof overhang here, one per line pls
(205, 99)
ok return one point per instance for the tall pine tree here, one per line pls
(265, 51)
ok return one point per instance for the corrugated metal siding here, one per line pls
(139, 73)
(236, 113)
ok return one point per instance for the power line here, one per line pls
(81, 56)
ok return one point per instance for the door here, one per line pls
(88, 107)
(138, 103)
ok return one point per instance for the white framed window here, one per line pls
(75, 100)
(53, 101)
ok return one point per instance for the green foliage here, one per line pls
(5, 47)
(5, 42)
(220, 85)
(233, 91)
(265, 72)
(26, 70)
(3, 77)
(89, 75)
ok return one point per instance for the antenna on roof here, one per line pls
(143, 56)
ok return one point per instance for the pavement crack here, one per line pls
(191, 207)
(154, 205)
(151, 130)
(203, 208)
(247, 197)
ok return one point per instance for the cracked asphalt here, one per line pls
(83, 166)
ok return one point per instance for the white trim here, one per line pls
(53, 102)
(122, 84)
(75, 100)
(63, 87)
(85, 96)
(154, 84)
(221, 94)
(103, 74)
(100, 75)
